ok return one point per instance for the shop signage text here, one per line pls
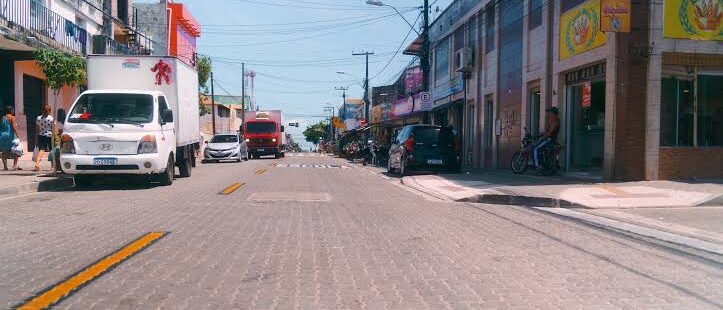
(693, 19)
(585, 74)
(586, 97)
(615, 15)
(413, 80)
(580, 29)
(452, 87)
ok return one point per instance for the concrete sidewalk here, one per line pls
(27, 181)
(507, 188)
(686, 214)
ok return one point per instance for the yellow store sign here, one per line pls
(693, 19)
(580, 29)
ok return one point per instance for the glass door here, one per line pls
(586, 126)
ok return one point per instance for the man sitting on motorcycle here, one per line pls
(549, 137)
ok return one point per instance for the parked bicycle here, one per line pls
(549, 156)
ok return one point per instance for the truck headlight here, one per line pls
(248, 140)
(147, 145)
(66, 145)
(273, 140)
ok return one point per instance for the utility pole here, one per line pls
(367, 105)
(343, 96)
(243, 93)
(213, 107)
(424, 58)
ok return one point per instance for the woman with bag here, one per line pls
(8, 133)
(44, 140)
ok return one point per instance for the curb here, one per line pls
(636, 230)
(506, 199)
(41, 186)
(519, 200)
(716, 201)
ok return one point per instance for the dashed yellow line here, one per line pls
(57, 292)
(260, 171)
(232, 188)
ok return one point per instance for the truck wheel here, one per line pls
(186, 166)
(82, 181)
(276, 155)
(166, 177)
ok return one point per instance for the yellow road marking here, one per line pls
(232, 188)
(614, 190)
(260, 171)
(56, 293)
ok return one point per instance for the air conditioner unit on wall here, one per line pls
(463, 59)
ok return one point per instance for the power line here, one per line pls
(315, 7)
(398, 49)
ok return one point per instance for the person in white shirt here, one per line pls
(44, 128)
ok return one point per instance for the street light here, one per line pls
(353, 77)
(379, 3)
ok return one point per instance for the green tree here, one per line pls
(60, 70)
(204, 68)
(314, 133)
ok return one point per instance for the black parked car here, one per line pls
(423, 148)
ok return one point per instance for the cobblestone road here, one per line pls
(300, 236)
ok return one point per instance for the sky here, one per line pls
(296, 48)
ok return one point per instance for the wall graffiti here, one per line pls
(510, 124)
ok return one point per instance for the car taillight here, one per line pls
(66, 144)
(147, 145)
(409, 145)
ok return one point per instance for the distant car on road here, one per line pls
(423, 148)
(225, 147)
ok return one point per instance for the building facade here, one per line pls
(173, 29)
(633, 105)
(74, 27)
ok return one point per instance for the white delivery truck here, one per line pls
(139, 116)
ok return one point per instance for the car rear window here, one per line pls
(433, 135)
(224, 139)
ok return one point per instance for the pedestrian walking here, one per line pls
(54, 155)
(8, 133)
(44, 139)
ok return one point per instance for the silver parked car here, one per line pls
(225, 147)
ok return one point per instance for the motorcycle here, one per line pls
(549, 156)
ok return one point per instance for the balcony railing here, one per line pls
(105, 45)
(35, 20)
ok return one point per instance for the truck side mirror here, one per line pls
(282, 128)
(60, 115)
(167, 116)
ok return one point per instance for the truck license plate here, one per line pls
(434, 161)
(105, 161)
(261, 150)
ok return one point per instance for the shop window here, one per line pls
(569, 4)
(490, 28)
(687, 120)
(710, 110)
(472, 33)
(535, 14)
(441, 62)
(533, 112)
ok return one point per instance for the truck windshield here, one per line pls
(113, 108)
(261, 127)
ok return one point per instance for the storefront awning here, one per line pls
(415, 48)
